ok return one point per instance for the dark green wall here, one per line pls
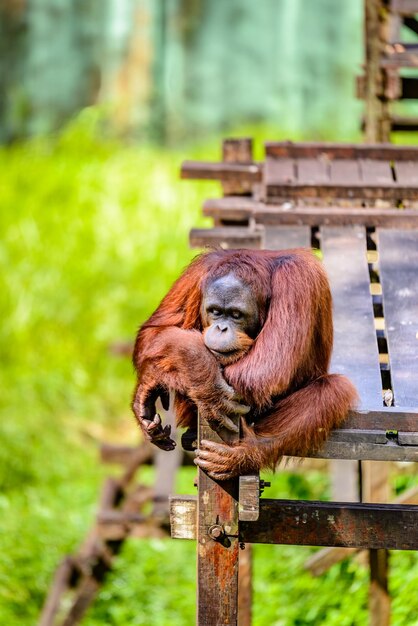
(181, 67)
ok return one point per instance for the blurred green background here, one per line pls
(102, 100)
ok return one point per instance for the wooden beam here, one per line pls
(233, 209)
(312, 150)
(227, 237)
(334, 524)
(309, 523)
(232, 172)
(217, 543)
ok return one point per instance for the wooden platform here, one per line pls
(357, 204)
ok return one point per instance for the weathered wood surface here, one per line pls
(382, 151)
(407, 172)
(352, 525)
(334, 524)
(218, 545)
(355, 351)
(250, 172)
(227, 237)
(390, 192)
(322, 560)
(237, 151)
(398, 262)
(285, 237)
(235, 209)
(183, 517)
(249, 497)
(404, 7)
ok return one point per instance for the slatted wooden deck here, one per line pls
(357, 205)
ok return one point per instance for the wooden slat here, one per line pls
(350, 525)
(226, 237)
(355, 345)
(381, 151)
(392, 192)
(284, 237)
(250, 172)
(280, 170)
(406, 172)
(398, 262)
(312, 171)
(363, 451)
(230, 208)
(385, 418)
(334, 524)
(375, 172)
(404, 7)
(401, 122)
(235, 209)
(344, 171)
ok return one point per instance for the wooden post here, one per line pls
(245, 589)
(217, 544)
(237, 151)
(375, 489)
(377, 121)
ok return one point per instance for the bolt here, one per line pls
(215, 531)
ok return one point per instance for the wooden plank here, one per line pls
(236, 210)
(321, 561)
(237, 151)
(286, 237)
(217, 544)
(404, 7)
(386, 418)
(376, 128)
(363, 451)
(398, 262)
(344, 171)
(392, 192)
(402, 122)
(406, 172)
(227, 237)
(238, 172)
(279, 170)
(312, 150)
(375, 172)
(355, 351)
(335, 216)
(311, 171)
(231, 208)
(350, 525)
(245, 587)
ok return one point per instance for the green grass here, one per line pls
(92, 234)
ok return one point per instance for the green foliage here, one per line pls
(93, 233)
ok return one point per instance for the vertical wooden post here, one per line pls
(377, 121)
(245, 588)
(237, 151)
(217, 545)
(375, 489)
